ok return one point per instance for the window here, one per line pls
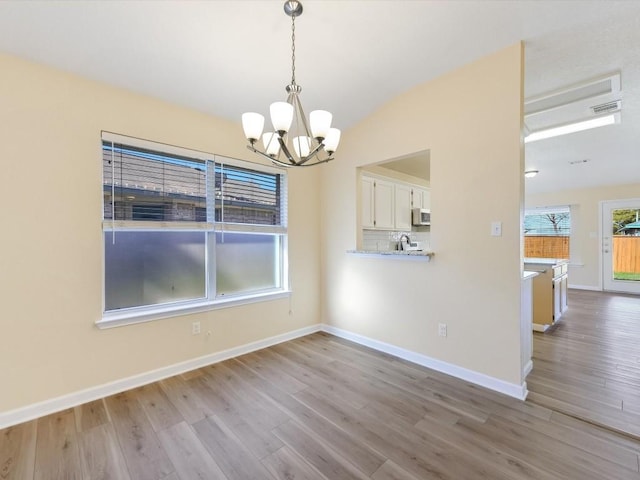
(184, 229)
(547, 232)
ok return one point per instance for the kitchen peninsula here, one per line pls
(424, 255)
(549, 290)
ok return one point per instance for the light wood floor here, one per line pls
(314, 408)
(588, 365)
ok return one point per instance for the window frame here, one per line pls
(545, 210)
(212, 301)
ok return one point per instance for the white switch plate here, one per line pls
(496, 229)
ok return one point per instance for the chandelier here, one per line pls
(302, 143)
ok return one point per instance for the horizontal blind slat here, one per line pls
(152, 186)
(248, 196)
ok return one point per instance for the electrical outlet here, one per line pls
(195, 328)
(442, 329)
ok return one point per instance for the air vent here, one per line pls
(590, 100)
(607, 107)
(572, 94)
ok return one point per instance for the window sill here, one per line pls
(120, 319)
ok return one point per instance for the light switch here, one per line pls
(496, 229)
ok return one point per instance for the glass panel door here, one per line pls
(621, 246)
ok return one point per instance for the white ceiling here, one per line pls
(227, 57)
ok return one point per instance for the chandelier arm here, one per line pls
(313, 153)
(303, 118)
(286, 165)
(255, 150)
(280, 163)
(285, 150)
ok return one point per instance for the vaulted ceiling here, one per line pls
(227, 57)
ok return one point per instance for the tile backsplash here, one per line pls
(385, 240)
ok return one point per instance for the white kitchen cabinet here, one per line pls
(378, 200)
(564, 285)
(402, 207)
(559, 295)
(384, 204)
(367, 204)
(421, 197)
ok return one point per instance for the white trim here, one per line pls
(586, 287)
(143, 226)
(540, 328)
(527, 370)
(235, 162)
(600, 245)
(132, 316)
(153, 145)
(511, 389)
(547, 210)
(248, 228)
(607, 284)
(36, 410)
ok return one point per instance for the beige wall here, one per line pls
(584, 267)
(470, 120)
(403, 177)
(51, 246)
(51, 242)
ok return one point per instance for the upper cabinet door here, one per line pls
(384, 204)
(367, 204)
(402, 207)
(421, 198)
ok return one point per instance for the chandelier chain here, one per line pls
(293, 50)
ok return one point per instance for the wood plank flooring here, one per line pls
(588, 365)
(318, 407)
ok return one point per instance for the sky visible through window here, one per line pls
(547, 223)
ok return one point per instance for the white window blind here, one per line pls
(183, 227)
(247, 196)
(146, 185)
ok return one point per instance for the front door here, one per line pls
(621, 246)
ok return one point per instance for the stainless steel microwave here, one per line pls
(420, 216)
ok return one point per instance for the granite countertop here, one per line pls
(422, 254)
(546, 261)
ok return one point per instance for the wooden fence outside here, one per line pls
(626, 250)
(626, 254)
(546, 246)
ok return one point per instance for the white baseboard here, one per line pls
(527, 369)
(36, 410)
(511, 389)
(540, 328)
(585, 287)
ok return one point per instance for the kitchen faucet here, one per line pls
(400, 242)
